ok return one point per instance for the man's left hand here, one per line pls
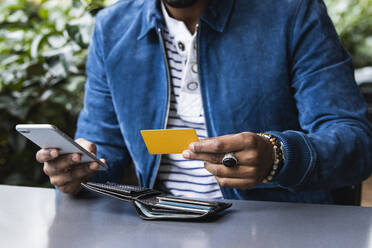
(253, 152)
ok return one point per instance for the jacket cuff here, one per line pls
(299, 159)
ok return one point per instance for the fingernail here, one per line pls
(192, 146)
(76, 158)
(93, 166)
(186, 154)
(54, 153)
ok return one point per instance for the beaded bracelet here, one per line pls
(278, 156)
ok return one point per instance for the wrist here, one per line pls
(278, 156)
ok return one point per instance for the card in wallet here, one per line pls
(153, 204)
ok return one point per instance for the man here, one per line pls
(244, 68)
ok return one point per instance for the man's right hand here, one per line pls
(63, 170)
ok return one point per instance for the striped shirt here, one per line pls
(176, 175)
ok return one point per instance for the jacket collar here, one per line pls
(216, 15)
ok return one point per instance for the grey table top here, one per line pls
(35, 217)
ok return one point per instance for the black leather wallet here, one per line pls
(153, 204)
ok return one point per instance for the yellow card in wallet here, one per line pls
(167, 141)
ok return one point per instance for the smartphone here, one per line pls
(48, 136)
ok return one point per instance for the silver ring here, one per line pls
(230, 160)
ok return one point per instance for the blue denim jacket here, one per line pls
(265, 66)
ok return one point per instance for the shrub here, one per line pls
(353, 21)
(43, 47)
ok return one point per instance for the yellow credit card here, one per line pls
(167, 141)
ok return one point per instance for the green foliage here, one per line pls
(353, 21)
(43, 47)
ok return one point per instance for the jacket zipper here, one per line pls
(200, 81)
(168, 100)
(201, 93)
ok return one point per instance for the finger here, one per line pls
(84, 171)
(71, 188)
(44, 155)
(61, 179)
(224, 144)
(76, 174)
(245, 157)
(210, 157)
(93, 165)
(50, 170)
(61, 164)
(219, 170)
(237, 183)
(87, 145)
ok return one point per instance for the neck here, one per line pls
(190, 16)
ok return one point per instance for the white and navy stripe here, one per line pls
(180, 177)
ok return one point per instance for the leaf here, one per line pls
(35, 46)
(10, 59)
